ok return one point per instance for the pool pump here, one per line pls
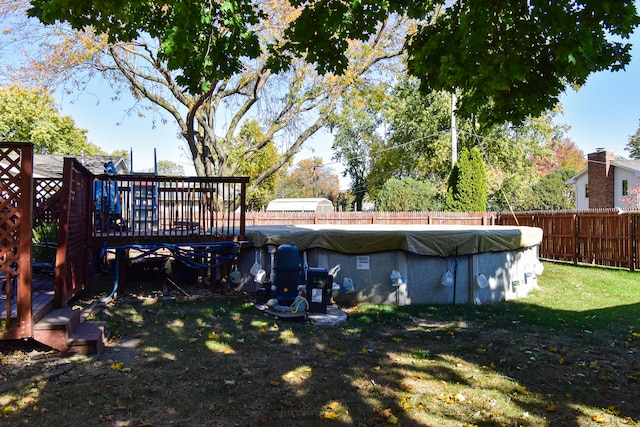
(288, 274)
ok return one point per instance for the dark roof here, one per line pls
(50, 165)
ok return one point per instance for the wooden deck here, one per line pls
(94, 212)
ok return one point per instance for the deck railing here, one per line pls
(159, 208)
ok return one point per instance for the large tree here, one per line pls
(467, 188)
(563, 153)
(413, 139)
(309, 178)
(254, 165)
(358, 135)
(633, 146)
(206, 65)
(511, 59)
(551, 192)
(31, 115)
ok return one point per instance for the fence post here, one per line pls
(633, 244)
(576, 232)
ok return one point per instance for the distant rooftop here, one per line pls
(50, 165)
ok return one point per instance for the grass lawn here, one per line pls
(567, 355)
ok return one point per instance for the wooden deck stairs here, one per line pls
(64, 330)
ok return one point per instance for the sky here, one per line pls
(604, 113)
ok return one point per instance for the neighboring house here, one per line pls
(50, 165)
(317, 205)
(605, 181)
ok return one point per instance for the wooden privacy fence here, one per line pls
(606, 237)
(353, 218)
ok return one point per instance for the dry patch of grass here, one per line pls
(218, 361)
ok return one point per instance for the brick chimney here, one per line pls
(601, 179)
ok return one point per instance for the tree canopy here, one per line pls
(633, 146)
(184, 62)
(408, 195)
(309, 178)
(512, 59)
(398, 132)
(31, 115)
(551, 192)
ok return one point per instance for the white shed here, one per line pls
(317, 205)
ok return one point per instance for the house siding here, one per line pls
(632, 179)
(582, 201)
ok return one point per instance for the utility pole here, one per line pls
(454, 131)
(315, 179)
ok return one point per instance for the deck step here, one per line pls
(56, 327)
(63, 330)
(88, 338)
(59, 318)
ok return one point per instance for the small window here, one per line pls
(625, 187)
(586, 190)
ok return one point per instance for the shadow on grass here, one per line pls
(219, 361)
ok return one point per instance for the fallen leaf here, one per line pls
(334, 405)
(599, 419)
(117, 366)
(613, 410)
(385, 413)
(446, 399)
(405, 387)
(329, 415)
(521, 389)
(550, 408)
